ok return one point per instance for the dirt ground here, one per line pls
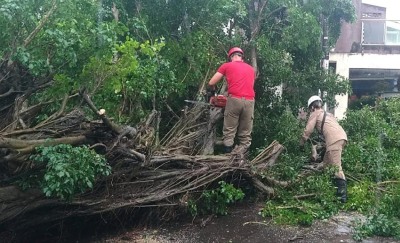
(243, 224)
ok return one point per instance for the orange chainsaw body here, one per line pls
(218, 100)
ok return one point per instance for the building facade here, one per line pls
(368, 54)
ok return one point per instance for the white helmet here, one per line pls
(312, 99)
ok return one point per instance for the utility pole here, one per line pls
(325, 44)
(325, 49)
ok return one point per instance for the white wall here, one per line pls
(345, 61)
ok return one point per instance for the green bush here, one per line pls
(288, 167)
(320, 204)
(366, 158)
(391, 201)
(292, 128)
(377, 224)
(373, 148)
(216, 201)
(291, 213)
(69, 170)
(363, 123)
(361, 199)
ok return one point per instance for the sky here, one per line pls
(392, 7)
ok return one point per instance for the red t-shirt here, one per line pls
(240, 78)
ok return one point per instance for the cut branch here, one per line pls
(130, 131)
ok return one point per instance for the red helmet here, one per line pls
(233, 50)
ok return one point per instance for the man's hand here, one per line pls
(210, 94)
(302, 114)
(314, 154)
(301, 145)
(210, 91)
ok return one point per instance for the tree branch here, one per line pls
(129, 131)
(42, 22)
(10, 91)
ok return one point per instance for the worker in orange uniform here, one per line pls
(239, 110)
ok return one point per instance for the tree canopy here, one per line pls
(144, 55)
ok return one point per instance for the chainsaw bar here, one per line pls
(197, 102)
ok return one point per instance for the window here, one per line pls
(393, 35)
(367, 82)
(373, 32)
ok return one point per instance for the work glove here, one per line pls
(314, 154)
(301, 145)
(210, 94)
(210, 90)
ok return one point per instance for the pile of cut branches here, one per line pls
(145, 172)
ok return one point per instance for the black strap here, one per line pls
(323, 123)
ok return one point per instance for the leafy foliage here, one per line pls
(69, 170)
(373, 148)
(162, 52)
(70, 32)
(361, 199)
(372, 155)
(321, 205)
(370, 162)
(216, 201)
(335, 12)
(138, 79)
(377, 224)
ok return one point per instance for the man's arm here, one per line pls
(312, 121)
(215, 79)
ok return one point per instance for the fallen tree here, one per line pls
(144, 172)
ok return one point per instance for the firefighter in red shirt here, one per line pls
(239, 110)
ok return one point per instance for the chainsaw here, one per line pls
(216, 101)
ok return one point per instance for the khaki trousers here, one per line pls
(333, 156)
(238, 118)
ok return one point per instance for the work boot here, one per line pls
(341, 189)
(228, 149)
(239, 149)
